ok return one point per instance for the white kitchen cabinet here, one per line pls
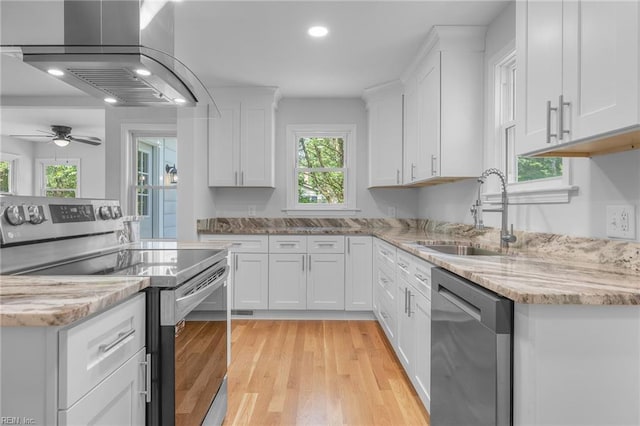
(581, 53)
(405, 345)
(384, 282)
(93, 371)
(384, 106)
(250, 280)
(443, 107)
(241, 141)
(325, 281)
(358, 274)
(288, 281)
(421, 374)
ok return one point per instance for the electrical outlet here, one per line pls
(621, 221)
(252, 211)
(391, 211)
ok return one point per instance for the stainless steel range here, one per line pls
(61, 236)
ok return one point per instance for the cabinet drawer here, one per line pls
(325, 244)
(242, 243)
(386, 284)
(422, 277)
(116, 401)
(388, 319)
(92, 350)
(287, 244)
(385, 254)
(405, 266)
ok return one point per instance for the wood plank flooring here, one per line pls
(317, 373)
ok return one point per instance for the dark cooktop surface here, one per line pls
(166, 268)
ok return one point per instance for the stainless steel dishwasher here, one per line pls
(471, 353)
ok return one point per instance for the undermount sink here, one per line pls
(460, 250)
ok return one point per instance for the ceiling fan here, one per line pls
(61, 136)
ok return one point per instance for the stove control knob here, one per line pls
(35, 215)
(104, 212)
(14, 215)
(117, 212)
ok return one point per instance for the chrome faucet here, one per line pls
(506, 237)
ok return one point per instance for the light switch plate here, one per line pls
(621, 221)
(251, 211)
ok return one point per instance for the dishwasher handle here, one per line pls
(492, 310)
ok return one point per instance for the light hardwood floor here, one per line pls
(317, 373)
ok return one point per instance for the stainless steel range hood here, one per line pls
(123, 50)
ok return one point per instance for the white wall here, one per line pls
(234, 202)
(24, 163)
(609, 179)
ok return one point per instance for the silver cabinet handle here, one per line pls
(549, 134)
(235, 179)
(287, 245)
(561, 105)
(406, 290)
(303, 257)
(434, 170)
(147, 378)
(397, 176)
(235, 262)
(413, 166)
(122, 336)
(326, 244)
(241, 178)
(309, 263)
(402, 265)
(409, 312)
(348, 245)
(421, 278)
(384, 280)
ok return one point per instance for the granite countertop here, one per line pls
(538, 269)
(61, 300)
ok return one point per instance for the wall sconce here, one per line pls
(172, 173)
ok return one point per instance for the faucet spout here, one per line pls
(506, 237)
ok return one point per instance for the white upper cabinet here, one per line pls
(241, 140)
(443, 107)
(583, 54)
(384, 105)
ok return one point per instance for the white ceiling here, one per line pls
(228, 43)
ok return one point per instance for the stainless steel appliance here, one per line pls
(471, 353)
(59, 236)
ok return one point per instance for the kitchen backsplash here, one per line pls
(593, 251)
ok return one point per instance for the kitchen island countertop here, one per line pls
(60, 300)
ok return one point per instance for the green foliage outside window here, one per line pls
(538, 168)
(4, 176)
(61, 180)
(323, 180)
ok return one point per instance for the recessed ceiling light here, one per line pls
(143, 72)
(318, 31)
(55, 71)
(110, 100)
(179, 100)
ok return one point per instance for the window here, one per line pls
(7, 173)
(322, 171)
(59, 177)
(530, 180)
(156, 184)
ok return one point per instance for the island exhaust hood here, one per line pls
(120, 51)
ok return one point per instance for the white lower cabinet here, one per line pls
(406, 343)
(288, 281)
(250, 281)
(421, 375)
(358, 274)
(325, 283)
(115, 401)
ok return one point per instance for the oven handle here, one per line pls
(184, 300)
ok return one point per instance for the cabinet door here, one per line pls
(411, 131)
(358, 274)
(224, 146)
(325, 281)
(257, 150)
(600, 66)
(405, 346)
(428, 155)
(421, 374)
(250, 281)
(115, 401)
(287, 281)
(385, 141)
(539, 50)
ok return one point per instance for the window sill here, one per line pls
(555, 195)
(321, 212)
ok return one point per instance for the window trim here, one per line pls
(348, 133)
(541, 191)
(12, 159)
(41, 175)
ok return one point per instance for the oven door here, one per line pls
(194, 360)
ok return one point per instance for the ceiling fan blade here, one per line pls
(31, 136)
(90, 138)
(87, 141)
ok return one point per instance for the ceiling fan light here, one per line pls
(56, 72)
(61, 142)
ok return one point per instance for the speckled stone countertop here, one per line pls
(537, 269)
(60, 300)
